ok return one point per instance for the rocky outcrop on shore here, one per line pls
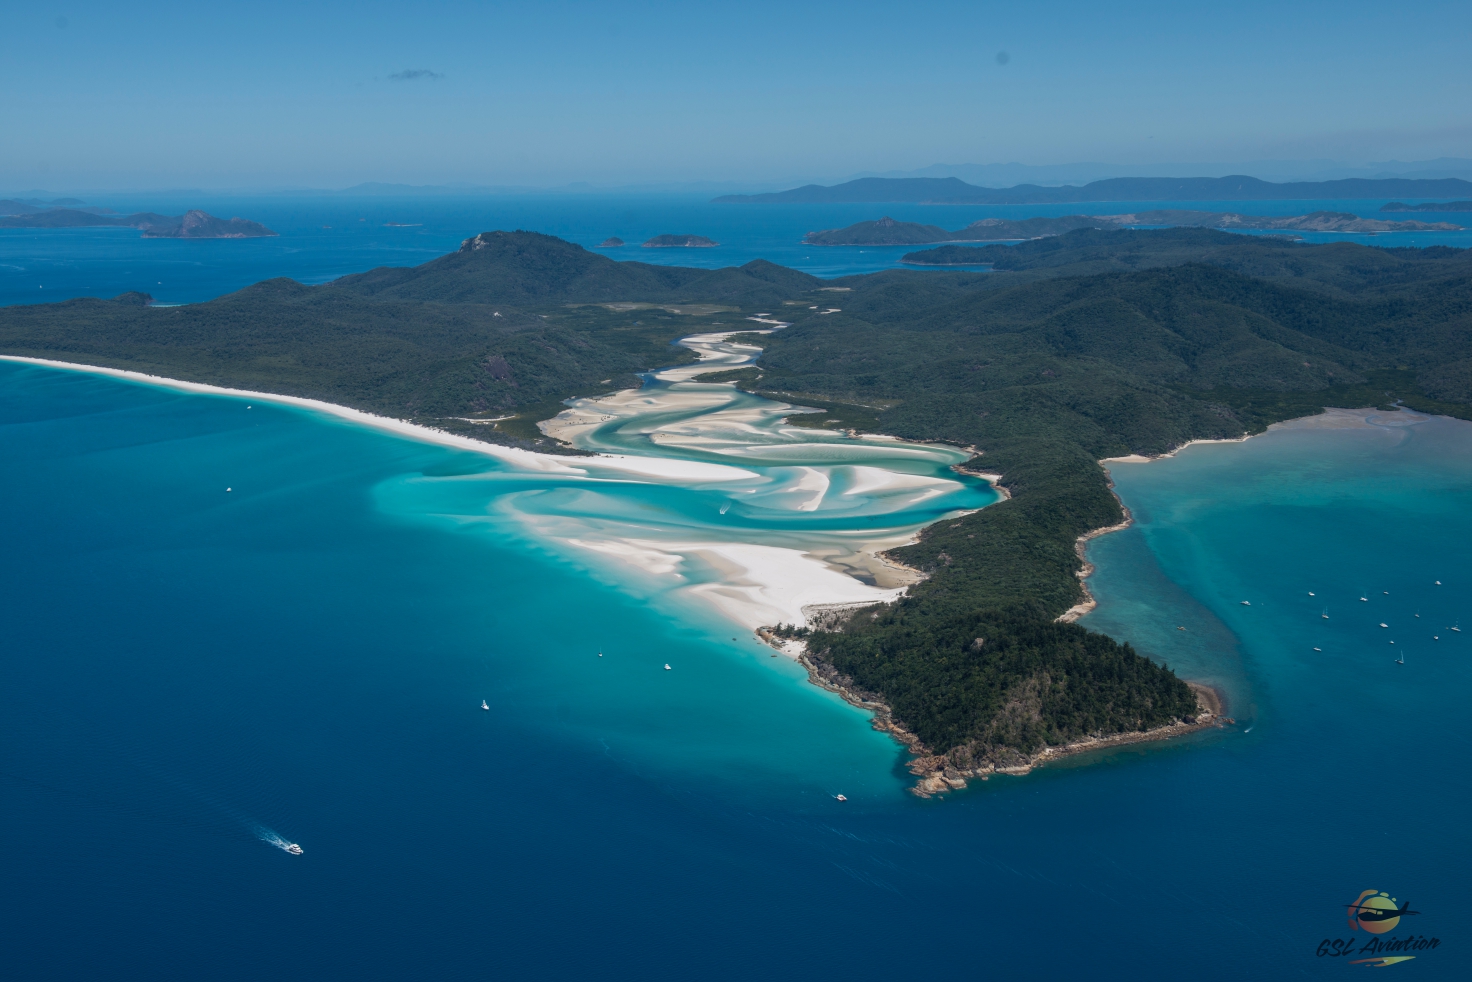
(939, 773)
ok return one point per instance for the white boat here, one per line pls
(1318, 649)
(666, 666)
(1457, 627)
(1365, 599)
(1383, 624)
(839, 797)
(293, 848)
(1438, 583)
(1325, 614)
(1247, 603)
(484, 705)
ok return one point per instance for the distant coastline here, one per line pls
(1237, 187)
(680, 242)
(194, 224)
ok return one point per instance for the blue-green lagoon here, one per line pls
(188, 672)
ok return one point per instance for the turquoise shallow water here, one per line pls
(186, 672)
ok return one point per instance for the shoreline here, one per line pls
(1330, 416)
(756, 582)
(1080, 545)
(936, 774)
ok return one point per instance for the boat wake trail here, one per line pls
(274, 838)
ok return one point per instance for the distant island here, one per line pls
(954, 191)
(1318, 221)
(887, 231)
(680, 242)
(1429, 206)
(612, 242)
(190, 225)
(12, 206)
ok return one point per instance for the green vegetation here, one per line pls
(680, 242)
(946, 255)
(885, 231)
(1046, 376)
(426, 344)
(1074, 348)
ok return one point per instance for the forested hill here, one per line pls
(529, 268)
(1045, 378)
(1080, 346)
(510, 324)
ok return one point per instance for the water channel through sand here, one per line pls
(770, 520)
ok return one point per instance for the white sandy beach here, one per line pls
(750, 583)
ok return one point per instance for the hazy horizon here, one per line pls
(328, 97)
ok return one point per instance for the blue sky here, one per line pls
(223, 95)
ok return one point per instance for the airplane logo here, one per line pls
(1382, 914)
(1377, 912)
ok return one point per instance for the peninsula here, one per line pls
(193, 224)
(1077, 347)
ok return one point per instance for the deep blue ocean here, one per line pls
(189, 675)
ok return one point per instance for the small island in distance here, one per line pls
(193, 224)
(1429, 206)
(680, 242)
(612, 242)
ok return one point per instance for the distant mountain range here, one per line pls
(953, 191)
